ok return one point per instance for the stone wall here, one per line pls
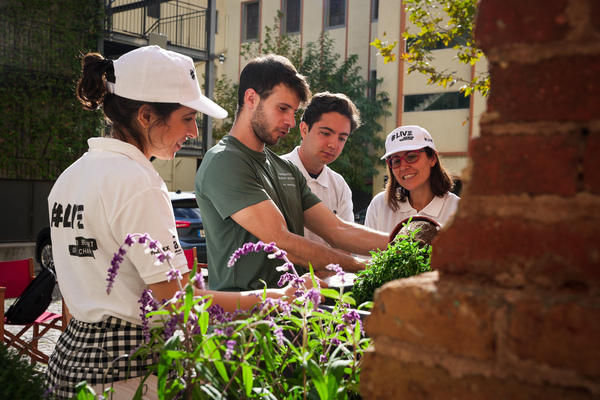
(512, 310)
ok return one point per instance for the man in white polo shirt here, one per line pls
(328, 121)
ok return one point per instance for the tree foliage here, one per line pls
(324, 70)
(43, 127)
(440, 23)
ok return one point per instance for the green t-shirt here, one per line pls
(231, 178)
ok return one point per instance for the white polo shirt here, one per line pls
(381, 217)
(113, 190)
(330, 187)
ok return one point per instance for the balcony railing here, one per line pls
(183, 23)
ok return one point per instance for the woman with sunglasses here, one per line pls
(418, 183)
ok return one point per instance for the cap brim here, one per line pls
(409, 148)
(207, 106)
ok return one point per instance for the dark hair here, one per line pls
(265, 72)
(119, 111)
(325, 102)
(440, 180)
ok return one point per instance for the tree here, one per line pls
(324, 71)
(446, 23)
(43, 127)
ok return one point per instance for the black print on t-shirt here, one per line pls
(84, 248)
(70, 216)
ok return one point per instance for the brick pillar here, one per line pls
(512, 310)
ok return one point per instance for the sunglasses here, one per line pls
(411, 157)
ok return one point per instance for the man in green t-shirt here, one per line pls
(247, 193)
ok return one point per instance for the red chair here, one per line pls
(15, 276)
(192, 256)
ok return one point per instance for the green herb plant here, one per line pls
(404, 257)
(275, 351)
(19, 379)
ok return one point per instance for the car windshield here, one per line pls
(186, 209)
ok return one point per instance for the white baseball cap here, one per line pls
(406, 138)
(157, 75)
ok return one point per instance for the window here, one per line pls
(372, 91)
(251, 21)
(440, 45)
(436, 102)
(374, 10)
(335, 13)
(292, 13)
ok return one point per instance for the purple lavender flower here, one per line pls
(143, 238)
(278, 332)
(112, 271)
(285, 278)
(130, 240)
(171, 325)
(179, 295)
(323, 358)
(198, 281)
(148, 304)
(336, 342)
(351, 318)
(339, 271)
(294, 280)
(50, 390)
(280, 254)
(162, 257)
(173, 274)
(314, 296)
(229, 352)
(218, 314)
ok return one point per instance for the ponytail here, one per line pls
(91, 88)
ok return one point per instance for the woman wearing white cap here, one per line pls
(418, 182)
(151, 98)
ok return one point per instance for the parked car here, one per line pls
(43, 249)
(359, 217)
(187, 220)
(189, 223)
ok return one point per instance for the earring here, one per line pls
(398, 192)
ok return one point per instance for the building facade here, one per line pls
(451, 118)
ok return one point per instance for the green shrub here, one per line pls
(19, 380)
(405, 257)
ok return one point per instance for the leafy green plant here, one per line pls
(277, 350)
(43, 128)
(404, 257)
(440, 22)
(19, 379)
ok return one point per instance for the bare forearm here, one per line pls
(302, 251)
(357, 239)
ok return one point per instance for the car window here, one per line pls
(186, 209)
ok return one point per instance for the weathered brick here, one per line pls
(591, 163)
(540, 91)
(501, 22)
(385, 377)
(595, 14)
(525, 164)
(517, 251)
(562, 334)
(453, 318)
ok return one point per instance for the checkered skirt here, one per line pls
(96, 353)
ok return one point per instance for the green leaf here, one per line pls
(248, 378)
(317, 378)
